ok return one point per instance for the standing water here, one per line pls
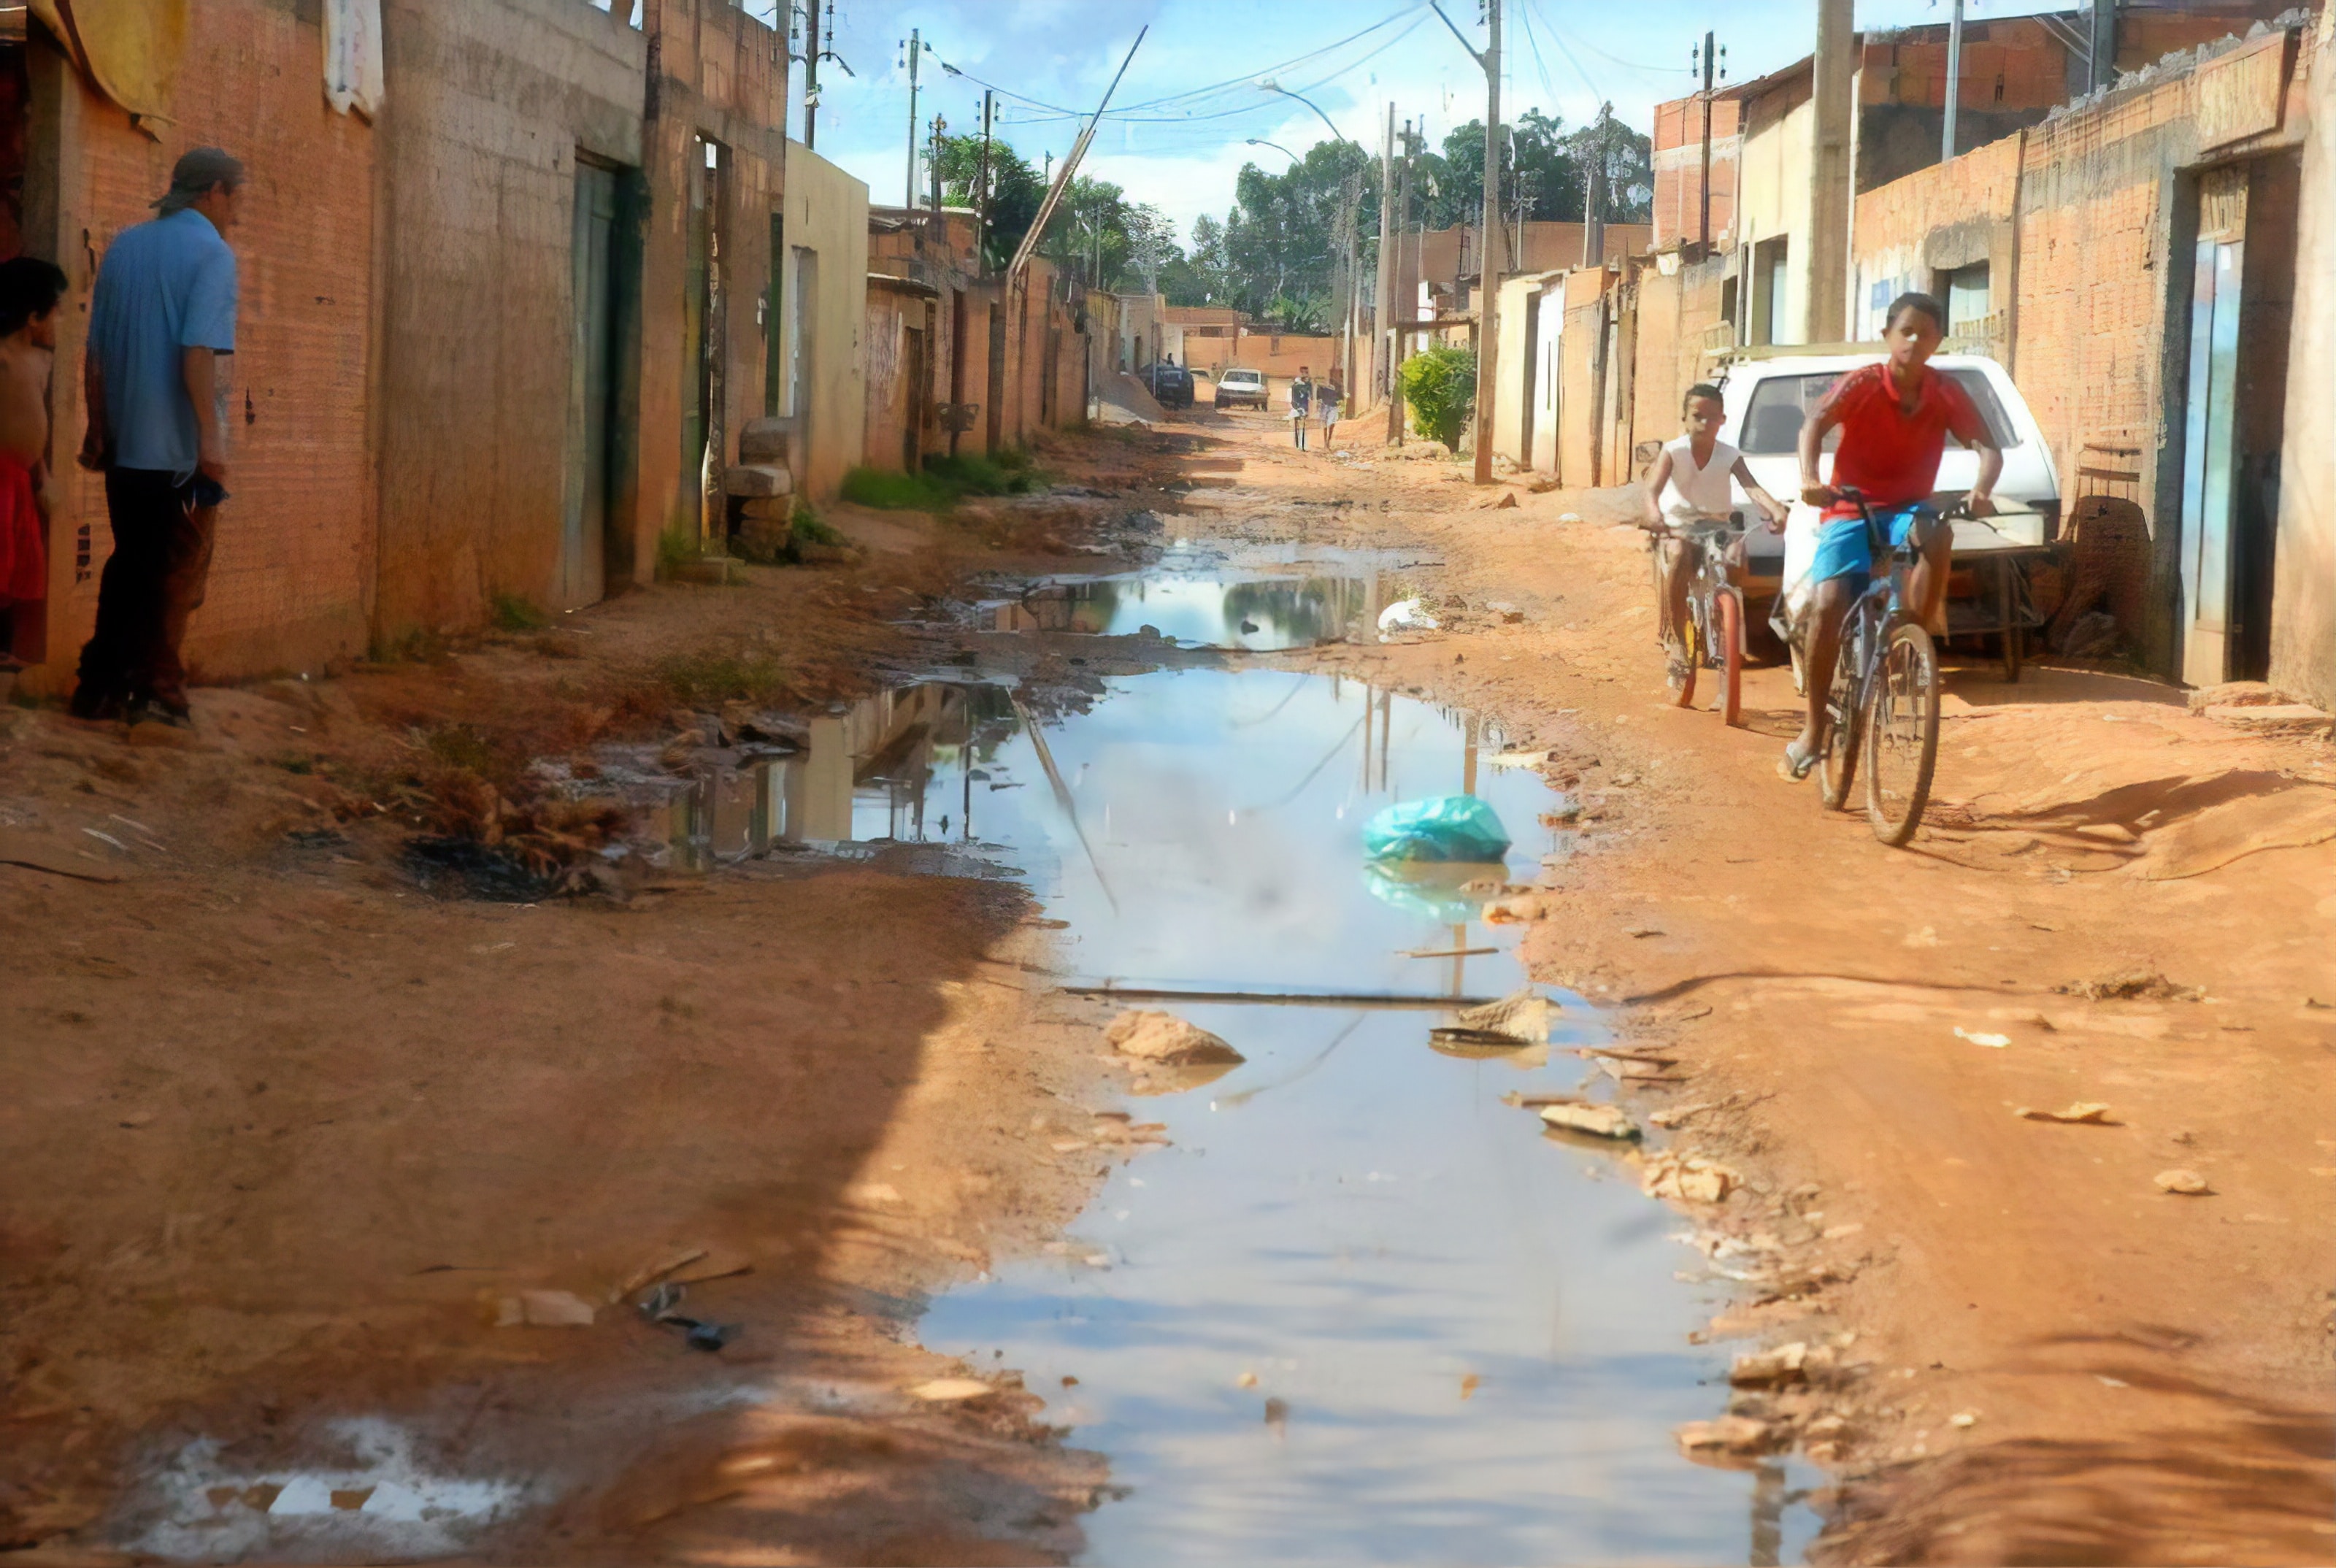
(1358, 1310)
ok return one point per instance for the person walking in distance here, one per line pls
(30, 289)
(1327, 397)
(160, 319)
(1301, 403)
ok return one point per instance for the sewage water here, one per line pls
(1358, 1310)
(1197, 605)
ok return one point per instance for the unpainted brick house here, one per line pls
(508, 293)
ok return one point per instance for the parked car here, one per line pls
(1238, 388)
(1170, 384)
(1769, 392)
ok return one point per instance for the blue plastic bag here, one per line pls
(1443, 828)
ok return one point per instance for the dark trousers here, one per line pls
(153, 583)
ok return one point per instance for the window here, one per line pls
(1772, 421)
(1967, 296)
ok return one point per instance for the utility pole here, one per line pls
(1383, 299)
(1825, 277)
(1703, 223)
(1488, 267)
(1954, 79)
(810, 74)
(915, 46)
(1593, 195)
(941, 129)
(1409, 306)
(981, 191)
(2102, 30)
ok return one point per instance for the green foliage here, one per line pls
(710, 677)
(1008, 207)
(944, 481)
(517, 612)
(1554, 165)
(807, 528)
(1439, 387)
(893, 490)
(677, 547)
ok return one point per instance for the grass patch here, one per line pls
(809, 529)
(943, 482)
(708, 679)
(458, 745)
(677, 547)
(888, 490)
(517, 612)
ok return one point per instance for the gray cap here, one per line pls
(195, 173)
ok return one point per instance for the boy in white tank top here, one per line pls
(1688, 484)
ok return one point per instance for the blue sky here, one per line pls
(1182, 152)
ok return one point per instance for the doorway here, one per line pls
(1531, 364)
(2242, 297)
(583, 575)
(703, 334)
(912, 384)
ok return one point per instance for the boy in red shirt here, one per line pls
(1894, 419)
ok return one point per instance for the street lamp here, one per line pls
(1269, 84)
(1277, 147)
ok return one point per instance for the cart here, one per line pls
(1987, 583)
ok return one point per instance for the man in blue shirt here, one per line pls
(161, 318)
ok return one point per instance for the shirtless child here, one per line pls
(29, 291)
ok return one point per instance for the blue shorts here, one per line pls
(1845, 550)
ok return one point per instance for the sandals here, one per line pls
(1794, 765)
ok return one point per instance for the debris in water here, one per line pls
(1407, 615)
(1775, 1368)
(2187, 1184)
(1246, 1381)
(1439, 828)
(1277, 1414)
(1156, 1036)
(1585, 1116)
(1689, 1177)
(1523, 1016)
(2090, 1111)
(1728, 1436)
(1471, 1043)
(543, 1309)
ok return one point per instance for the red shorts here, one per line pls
(24, 555)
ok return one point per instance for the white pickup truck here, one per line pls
(1768, 392)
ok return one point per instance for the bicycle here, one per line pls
(1885, 699)
(1714, 612)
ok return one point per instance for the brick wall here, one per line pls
(488, 108)
(289, 580)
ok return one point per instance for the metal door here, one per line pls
(2211, 411)
(583, 536)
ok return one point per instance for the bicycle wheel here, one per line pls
(1688, 653)
(1838, 768)
(1727, 633)
(1902, 734)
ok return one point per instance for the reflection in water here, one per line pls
(1359, 1311)
(1257, 613)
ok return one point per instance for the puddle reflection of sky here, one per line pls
(1353, 1219)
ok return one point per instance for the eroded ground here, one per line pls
(288, 1132)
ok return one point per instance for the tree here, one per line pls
(1625, 163)
(1011, 203)
(1198, 276)
(1285, 240)
(1150, 245)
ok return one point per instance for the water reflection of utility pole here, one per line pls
(1370, 696)
(1387, 723)
(1767, 1516)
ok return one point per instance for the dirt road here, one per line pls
(290, 1133)
(2116, 901)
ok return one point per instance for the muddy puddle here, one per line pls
(1358, 1310)
(1196, 606)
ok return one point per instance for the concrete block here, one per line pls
(767, 442)
(757, 479)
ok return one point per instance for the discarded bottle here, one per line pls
(1442, 828)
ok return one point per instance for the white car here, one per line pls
(1239, 386)
(1768, 394)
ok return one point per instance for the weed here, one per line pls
(517, 612)
(709, 678)
(1440, 385)
(677, 547)
(893, 490)
(809, 530)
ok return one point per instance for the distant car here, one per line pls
(1171, 385)
(1239, 387)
